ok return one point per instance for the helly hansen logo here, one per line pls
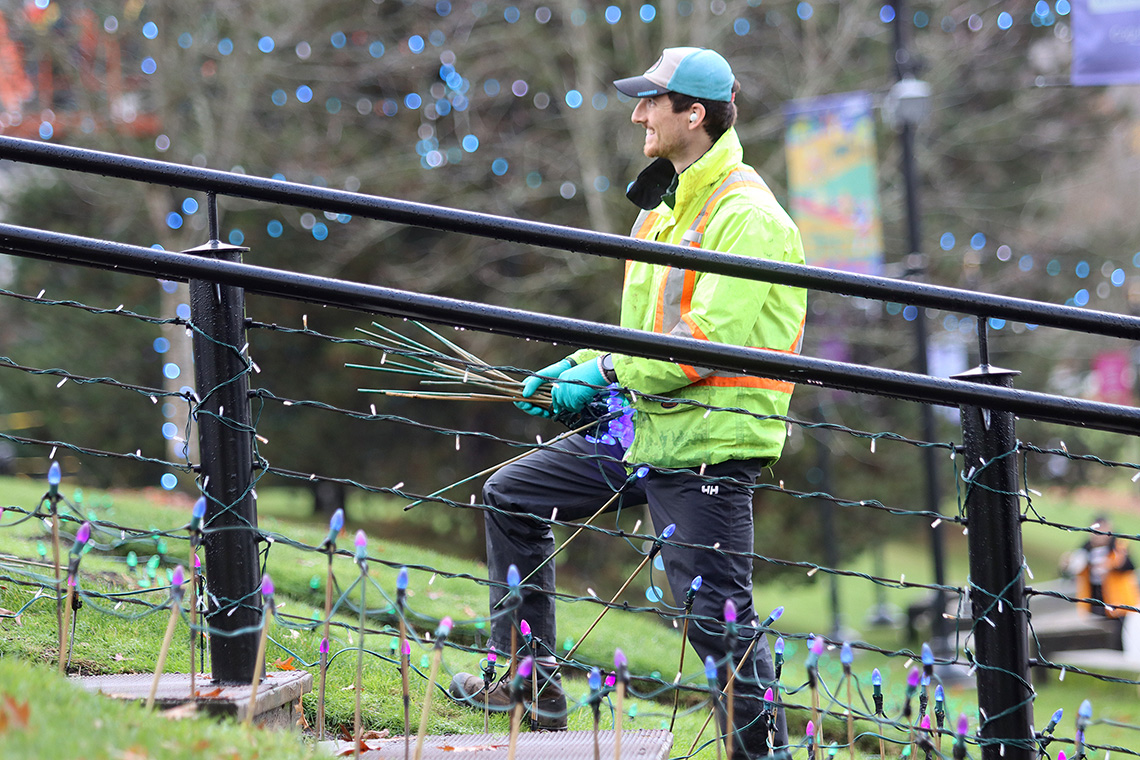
(710, 490)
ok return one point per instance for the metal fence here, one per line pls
(999, 651)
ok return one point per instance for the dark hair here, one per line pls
(720, 115)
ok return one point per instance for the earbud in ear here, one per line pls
(692, 118)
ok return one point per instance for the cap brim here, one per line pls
(639, 87)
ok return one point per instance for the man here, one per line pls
(698, 460)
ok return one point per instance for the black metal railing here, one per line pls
(219, 280)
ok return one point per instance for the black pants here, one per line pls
(577, 477)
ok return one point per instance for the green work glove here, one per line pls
(536, 381)
(572, 396)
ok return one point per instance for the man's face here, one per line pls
(666, 133)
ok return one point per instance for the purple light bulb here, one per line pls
(83, 535)
(526, 667)
(361, 540)
(492, 655)
(729, 611)
(913, 678)
(619, 659)
(810, 729)
(925, 724)
(768, 695)
(524, 628)
(324, 645)
(266, 585)
(611, 680)
(178, 577)
(817, 644)
(963, 725)
(444, 628)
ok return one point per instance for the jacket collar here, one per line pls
(657, 178)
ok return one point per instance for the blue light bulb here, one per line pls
(779, 646)
(939, 694)
(669, 529)
(927, 655)
(876, 677)
(336, 524)
(199, 508)
(776, 613)
(695, 586)
(846, 654)
(1085, 710)
(710, 668)
(402, 579)
(595, 679)
(1057, 716)
(513, 577)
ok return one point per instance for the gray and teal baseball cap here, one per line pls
(696, 72)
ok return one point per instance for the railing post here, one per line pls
(997, 586)
(225, 438)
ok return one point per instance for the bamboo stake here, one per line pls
(524, 671)
(665, 535)
(361, 542)
(175, 606)
(405, 651)
(81, 538)
(437, 656)
(500, 465)
(336, 524)
(262, 642)
(621, 670)
(197, 515)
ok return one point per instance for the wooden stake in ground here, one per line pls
(81, 538)
(196, 517)
(488, 679)
(621, 670)
(176, 581)
(336, 524)
(405, 651)
(877, 695)
(437, 656)
(268, 609)
(815, 649)
(594, 699)
(665, 535)
(940, 717)
(730, 636)
(53, 498)
(846, 657)
(523, 672)
(711, 679)
(361, 542)
(690, 596)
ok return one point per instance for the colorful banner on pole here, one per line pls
(1106, 42)
(832, 184)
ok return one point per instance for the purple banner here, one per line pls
(1106, 42)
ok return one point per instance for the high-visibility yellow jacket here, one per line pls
(721, 204)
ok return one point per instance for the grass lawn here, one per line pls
(113, 634)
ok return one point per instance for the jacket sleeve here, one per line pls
(721, 309)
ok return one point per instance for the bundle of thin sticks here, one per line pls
(456, 367)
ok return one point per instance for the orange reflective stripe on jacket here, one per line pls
(672, 313)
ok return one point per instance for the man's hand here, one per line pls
(536, 381)
(568, 392)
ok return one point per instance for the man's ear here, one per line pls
(696, 116)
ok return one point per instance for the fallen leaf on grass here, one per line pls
(14, 714)
(9, 615)
(376, 735)
(118, 658)
(284, 664)
(477, 748)
(209, 694)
